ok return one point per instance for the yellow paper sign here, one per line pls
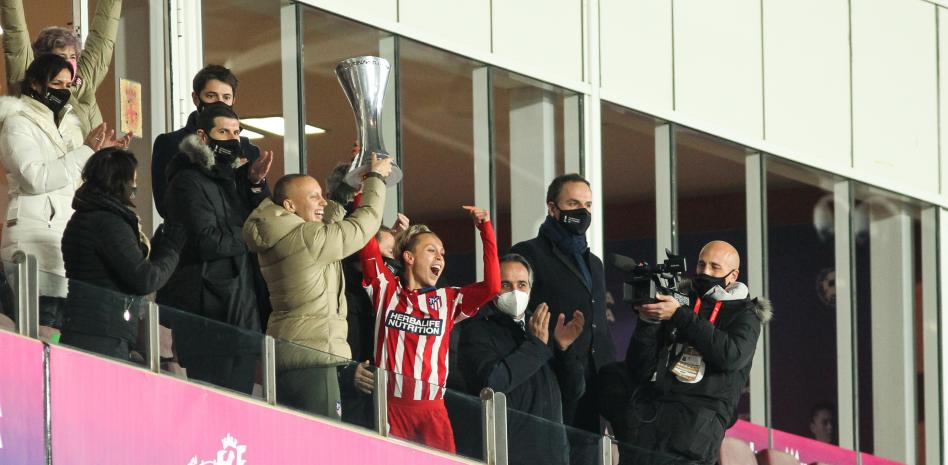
(131, 107)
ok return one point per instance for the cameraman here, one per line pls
(686, 365)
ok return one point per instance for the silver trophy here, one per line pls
(363, 80)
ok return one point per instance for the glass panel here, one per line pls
(800, 210)
(712, 204)
(437, 133)
(102, 321)
(8, 297)
(327, 40)
(532, 439)
(529, 150)
(323, 384)
(244, 36)
(628, 190)
(887, 237)
(214, 353)
(466, 415)
(627, 454)
(430, 415)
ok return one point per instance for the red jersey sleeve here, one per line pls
(473, 296)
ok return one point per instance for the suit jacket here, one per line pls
(559, 282)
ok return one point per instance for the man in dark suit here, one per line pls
(568, 277)
(214, 83)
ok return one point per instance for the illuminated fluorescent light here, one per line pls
(275, 125)
(251, 134)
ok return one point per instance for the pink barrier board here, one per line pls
(806, 449)
(104, 413)
(21, 400)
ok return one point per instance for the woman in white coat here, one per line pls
(42, 149)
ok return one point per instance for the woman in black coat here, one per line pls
(110, 263)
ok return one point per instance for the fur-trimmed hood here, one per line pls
(197, 155)
(736, 291)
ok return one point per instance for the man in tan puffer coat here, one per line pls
(300, 239)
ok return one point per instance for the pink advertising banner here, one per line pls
(21, 400)
(805, 449)
(105, 413)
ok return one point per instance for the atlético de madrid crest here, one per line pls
(434, 303)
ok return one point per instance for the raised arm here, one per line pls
(17, 49)
(372, 265)
(97, 54)
(473, 296)
(329, 243)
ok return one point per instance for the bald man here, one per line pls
(300, 239)
(686, 365)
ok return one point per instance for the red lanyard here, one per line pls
(714, 311)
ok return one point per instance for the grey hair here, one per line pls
(339, 190)
(517, 258)
(54, 37)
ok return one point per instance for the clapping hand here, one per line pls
(261, 167)
(101, 137)
(567, 333)
(540, 323)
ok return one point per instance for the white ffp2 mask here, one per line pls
(513, 303)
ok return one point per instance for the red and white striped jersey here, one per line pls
(412, 327)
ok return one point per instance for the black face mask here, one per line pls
(56, 99)
(202, 104)
(393, 265)
(225, 151)
(704, 283)
(576, 221)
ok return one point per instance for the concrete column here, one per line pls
(893, 341)
(532, 163)
(756, 190)
(483, 176)
(388, 49)
(845, 301)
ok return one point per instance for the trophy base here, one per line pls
(354, 177)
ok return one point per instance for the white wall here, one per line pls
(806, 78)
(545, 35)
(636, 53)
(895, 104)
(943, 102)
(770, 74)
(462, 24)
(718, 63)
(366, 10)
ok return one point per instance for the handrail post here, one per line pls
(153, 338)
(269, 370)
(494, 426)
(487, 426)
(380, 397)
(605, 451)
(27, 294)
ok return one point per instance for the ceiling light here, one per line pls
(251, 134)
(275, 125)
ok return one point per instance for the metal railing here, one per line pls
(493, 404)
